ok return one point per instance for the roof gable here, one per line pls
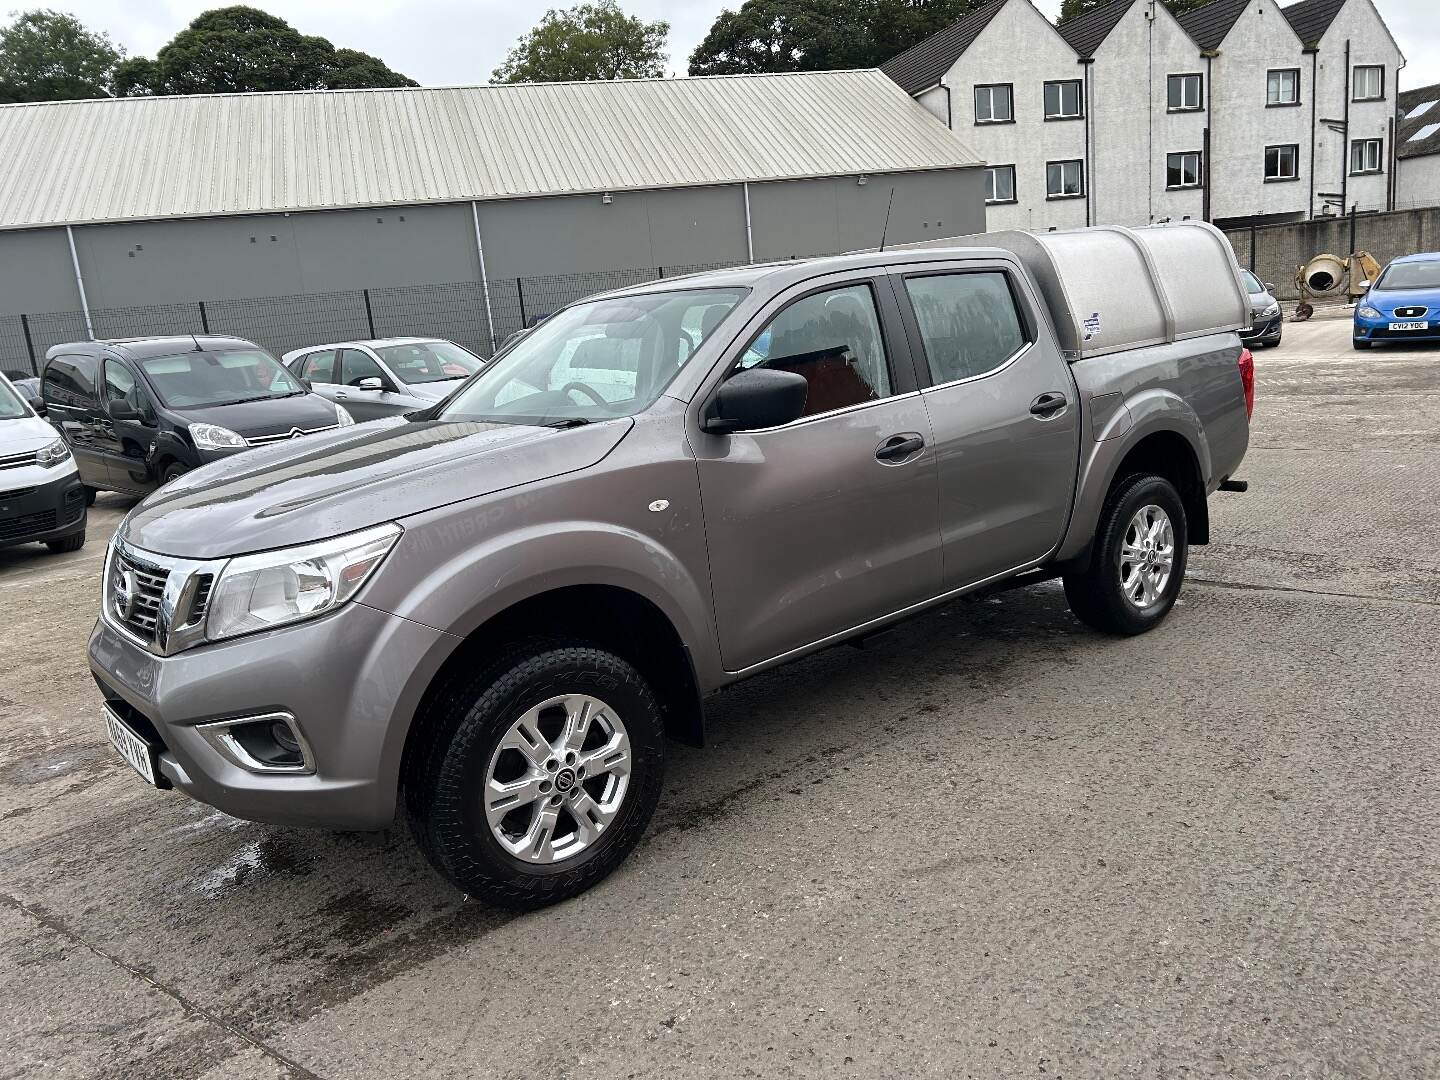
(1088, 32)
(1210, 24)
(1311, 18)
(924, 64)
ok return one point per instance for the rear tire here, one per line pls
(70, 543)
(1124, 588)
(506, 726)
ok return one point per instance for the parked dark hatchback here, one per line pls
(139, 412)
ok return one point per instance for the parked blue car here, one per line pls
(1403, 303)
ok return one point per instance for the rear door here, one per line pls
(68, 387)
(828, 522)
(1004, 410)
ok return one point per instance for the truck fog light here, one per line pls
(269, 743)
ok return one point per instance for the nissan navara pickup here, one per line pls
(487, 617)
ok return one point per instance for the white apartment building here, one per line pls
(1417, 181)
(1238, 112)
(1008, 85)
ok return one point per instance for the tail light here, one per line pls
(1247, 380)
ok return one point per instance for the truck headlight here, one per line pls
(52, 454)
(257, 592)
(342, 414)
(1365, 311)
(215, 437)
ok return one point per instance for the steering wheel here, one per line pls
(588, 391)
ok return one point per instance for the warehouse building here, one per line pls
(292, 217)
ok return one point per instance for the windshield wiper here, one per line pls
(567, 422)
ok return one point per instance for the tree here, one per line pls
(50, 56)
(817, 35)
(242, 49)
(589, 41)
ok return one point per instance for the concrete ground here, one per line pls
(995, 846)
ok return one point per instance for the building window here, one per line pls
(1064, 179)
(1366, 155)
(1282, 87)
(1064, 100)
(1183, 93)
(993, 104)
(1369, 83)
(1000, 184)
(1182, 170)
(1282, 163)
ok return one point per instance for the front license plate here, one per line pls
(135, 750)
(1409, 326)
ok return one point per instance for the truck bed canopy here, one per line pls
(1110, 288)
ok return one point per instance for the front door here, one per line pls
(356, 365)
(828, 522)
(125, 443)
(1004, 409)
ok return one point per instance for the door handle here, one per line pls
(1048, 405)
(899, 448)
(341, 395)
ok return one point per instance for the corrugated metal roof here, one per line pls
(141, 158)
(1087, 32)
(921, 66)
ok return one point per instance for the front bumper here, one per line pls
(1367, 329)
(1265, 330)
(351, 679)
(34, 509)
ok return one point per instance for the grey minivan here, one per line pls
(384, 376)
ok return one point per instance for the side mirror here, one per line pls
(758, 398)
(371, 382)
(307, 384)
(1364, 285)
(36, 403)
(126, 414)
(1270, 287)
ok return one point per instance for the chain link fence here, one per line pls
(458, 311)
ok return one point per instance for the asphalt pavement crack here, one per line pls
(191, 1008)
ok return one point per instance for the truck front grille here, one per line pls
(157, 600)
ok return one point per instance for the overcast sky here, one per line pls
(448, 42)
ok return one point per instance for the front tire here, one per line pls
(70, 543)
(536, 776)
(1137, 562)
(1360, 344)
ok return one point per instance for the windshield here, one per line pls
(595, 361)
(11, 407)
(429, 361)
(1252, 283)
(198, 379)
(1413, 275)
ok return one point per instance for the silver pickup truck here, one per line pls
(492, 613)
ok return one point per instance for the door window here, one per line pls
(356, 365)
(833, 339)
(319, 367)
(70, 380)
(969, 324)
(121, 387)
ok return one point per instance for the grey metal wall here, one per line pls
(281, 255)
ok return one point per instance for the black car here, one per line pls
(139, 412)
